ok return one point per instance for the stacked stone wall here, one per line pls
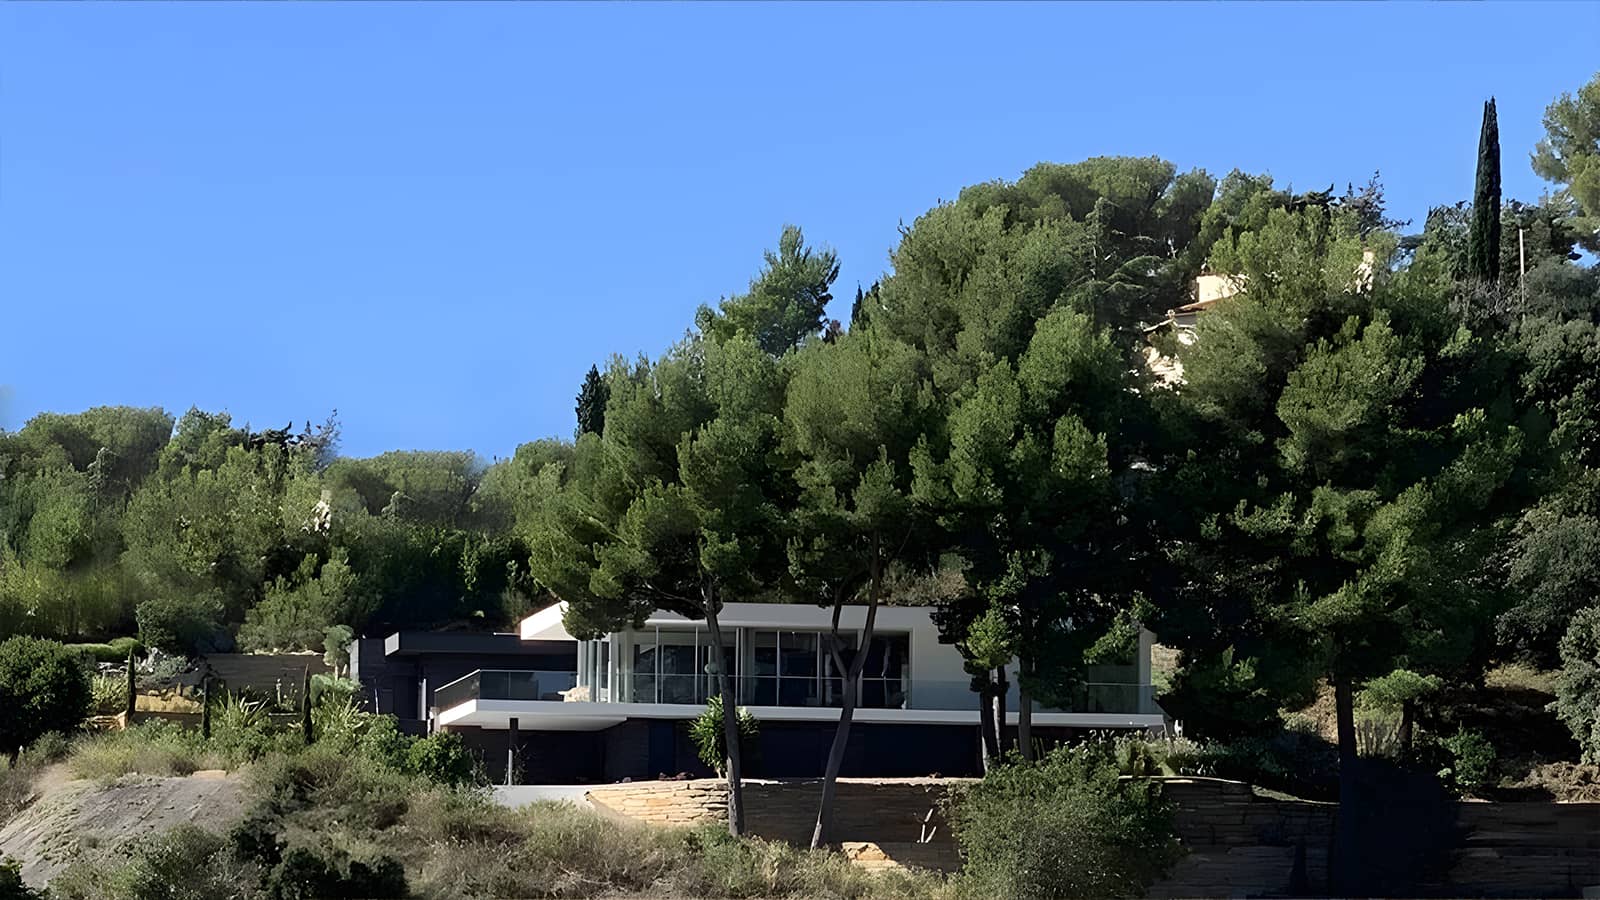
(1238, 841)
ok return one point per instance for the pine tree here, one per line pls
(1483, 242)
(592, 400)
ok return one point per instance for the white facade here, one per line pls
(782, 671)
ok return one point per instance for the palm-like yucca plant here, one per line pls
(236, 714)
(339, 717)
(707, 733)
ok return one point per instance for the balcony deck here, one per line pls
(546, 700)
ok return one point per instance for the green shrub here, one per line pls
(324, 784)
(1066, 826)
(123, 645)
(51, 747)
(383, 744)
(1578, 684)
(710, 737)
(116, 651)
(109, 694)
(12, 887)
(183, 625)
(303, 874)
(1299, 762)
(184, 863)
(43, 688)
(1472, 761)
(100, 653)
(149, 748)
(560, 850)
(442, 758)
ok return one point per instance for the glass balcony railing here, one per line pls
(504, 684)
(787, 691)
(878, 693)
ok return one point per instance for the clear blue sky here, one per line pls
(434, 218)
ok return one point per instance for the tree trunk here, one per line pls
(988, 737)
(1408, 715)
(1024, 717)
(1000, 686)
(847, 711)
(1346, 866)
(131, 699)
(730, 727)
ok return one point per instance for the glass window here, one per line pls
(798, 654)
(884, 673)
(888, 656)
(680, 672)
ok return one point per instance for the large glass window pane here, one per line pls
(799, 657)
(884, 672)
(888, 655)
(833, 685)
(645, 657)
(680, 673)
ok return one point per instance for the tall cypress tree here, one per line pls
(592, 400)
(1483, 242)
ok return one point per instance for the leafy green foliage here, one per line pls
(1472, 761)
(12, 887)
(297, 612)
(43, 688)
(442, 759)
(1578, 685)
(710, 738)
(1569, 155)
(184, 863)
(1066, 826)
(786, 302)
(183, 624)
(1392, 691)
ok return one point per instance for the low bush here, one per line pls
(51, 747)
(1295, 761)
(109, 694)
(12, 887)
(16, 788)
(185, 863)
(180, 625)
(115, 651)
(304, 874)
(149, 748)
(1471, 761)
(1138, 755)
(1577, 687)
(442, 759)
(549, 850)
(1066, 826)
(43, 688)
(710, 736)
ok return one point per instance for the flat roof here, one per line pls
(546, 624)
(504, 643)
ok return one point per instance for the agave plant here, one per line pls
(236, 714)
(339, 718)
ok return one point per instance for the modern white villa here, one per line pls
(615, 707)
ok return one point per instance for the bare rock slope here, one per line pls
(67, 815)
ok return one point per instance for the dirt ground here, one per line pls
(67, 814)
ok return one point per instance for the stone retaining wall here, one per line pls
(1239, 842)
(885, 811)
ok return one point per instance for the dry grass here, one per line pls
(1519, 677)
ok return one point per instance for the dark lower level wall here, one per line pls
(641, 749)
(1237, 842)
